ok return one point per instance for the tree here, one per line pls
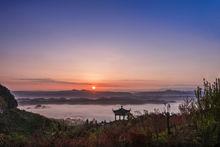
(208, 110)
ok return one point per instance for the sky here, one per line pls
(111, 44)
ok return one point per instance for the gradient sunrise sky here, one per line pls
(112, 44)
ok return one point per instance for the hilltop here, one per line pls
(17, 125)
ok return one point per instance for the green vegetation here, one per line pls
(16, 126)
(198, 124)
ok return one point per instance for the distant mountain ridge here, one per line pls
(86, 94)
(69, 94)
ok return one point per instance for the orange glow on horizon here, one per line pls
(114, 85)
(93, 87)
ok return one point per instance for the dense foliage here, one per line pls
(204, 113)
(198, 124)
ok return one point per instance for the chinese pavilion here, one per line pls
(122, 113)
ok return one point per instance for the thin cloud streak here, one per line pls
(51, 81)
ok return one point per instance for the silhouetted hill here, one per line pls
(7, 100)
(15, 121)
(165, 95)
(17, 126)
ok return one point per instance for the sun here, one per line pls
(93, 88)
